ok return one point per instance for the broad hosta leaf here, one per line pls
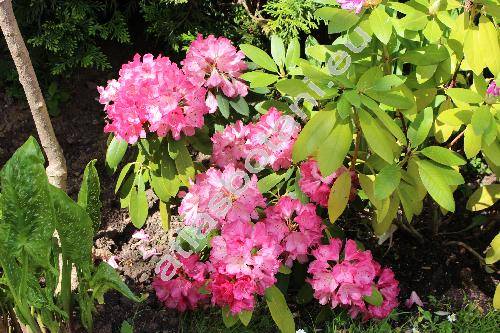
(335, 148)
(278, 50)
(443, 155)
(381, 24)
(27, 222)
(464, 95)
(436, 185)
(138, 208)
(340, 20)
(339, 196)
(89, 195)
(259, 79)
(75, 230)
(115, 153)
(387, 181)
(484, 197)
(376, 139)
(313, 135)
(280, 312)
(419, 129)
(259, 57)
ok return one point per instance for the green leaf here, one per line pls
(427, 55)
(184, 163)
(472, 142)
(425, 73)
(240, 105)
(432, 31)
(89, 195)
(391, 98)
(339, 196)
(414, 21)
(335, 148)
(435, 184)
(387, 83)
(305, 294)
(455, 117)
(292, 54)
(165, 215)
(488, 45)
(419, 129)
(464, 95)
(280, 312)
(223, 104)
(259, 57)
(484, 197)
(493, 253)
(259, 79)
(270, 181)
(75, 230)
(375, 298)
(313, 135)
(27, 223)
(106, 278)
(381, 25)
(245, 317)
(492, 152)
(482, 120)
(387, 181)
(376, 139)
(340, 19)
(228, 318)
(115, 153)
(285, 269)
(368, 78)
(126, 327)
(443, 155)
(292, 87)
(278, 50)
(388, 122)
(138, 208)
(122, 175)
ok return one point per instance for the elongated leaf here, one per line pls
(492, 152)
(279, 310)
(138, 206)
(388, 122)
(340, 20)
(375, 298)
(184, 163)
(385, 215)
(245, 317)
(313, 135)
(339, 196)
(493, 253)
(278, 50)
(472, 142)
(106, 278)
(270, 181)
(436, 185)
(381, 25)
(115, 153)
(89, 195)
(292, 54)
(387, 181)
(259, 79)
(375, 137)
(419, 129)
(463, 95)
(496, 297)
(165, 215)
(335, 148)
(427, 55)
(443, 155)
(259, 57)
(240, 105)
(122, 175)
(484, 197)
(223, 104)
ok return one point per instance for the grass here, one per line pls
(467, 320)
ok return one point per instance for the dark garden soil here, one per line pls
(441, 266)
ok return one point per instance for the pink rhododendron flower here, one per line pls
(317, 187)
(236, 293)
(296, 226)
(152, 95)
(345, 280)
(183, 291)
(219, 197)
(353, 5)
(215, 63)
(493, 89)
(413, 299)
(268, 141)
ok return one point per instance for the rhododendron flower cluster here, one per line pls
(317, 187)
(215, 63)
(345, 278)
(152, 95)
(183, 292)
(155, 95)
(221, 196)
(245, 261)
(269, 141)
(296, 226)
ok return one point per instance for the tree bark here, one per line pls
(56, 170)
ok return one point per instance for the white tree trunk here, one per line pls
(56, 170)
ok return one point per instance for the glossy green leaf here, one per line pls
(388, 122)
(387, 181)
(335, 148)
(484, 197)
(339, 196)
(280, 311)
(240, 105)
(259, 79)
(339, 19)
(463, 95)
(380, 24)
(375, 298)
(278, 50)
(313, 135)
(106, 278)
(184, 163)
(245, 317)
(223, 104)
(472, 142)
(432, 31)
(292, 54)
(228, 318)
(259, 57)
(419, 129)
(436, 185)
(115, 153)
(443, 155)
(376, 139)
(138, 208)
(427, 55)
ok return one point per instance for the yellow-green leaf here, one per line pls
(313, 135)
(339, 196)
(472, 142)
(484, 197)
(376, 139)
(335, 148)
(381, 24)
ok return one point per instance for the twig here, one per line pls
(455, 140)
(468, 248)
(254, 16)
(357, 142)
